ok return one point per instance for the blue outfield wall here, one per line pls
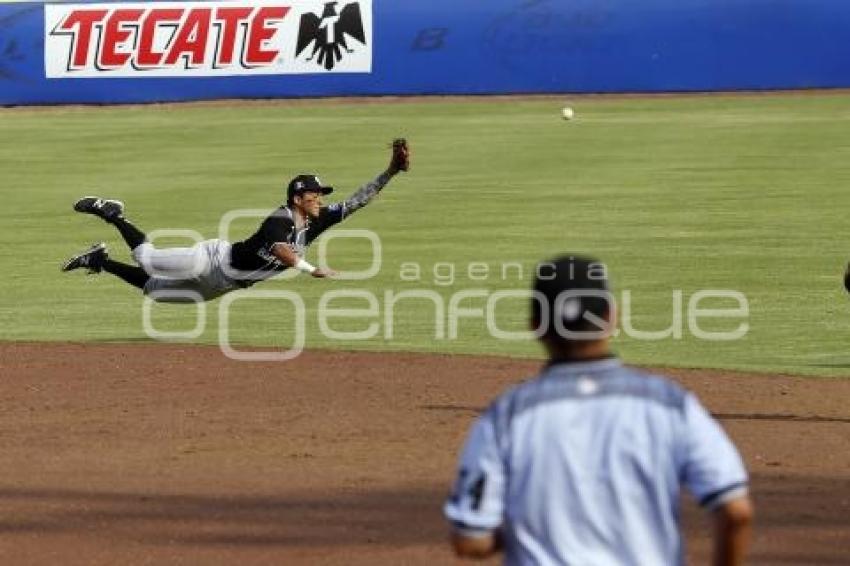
(506, 46)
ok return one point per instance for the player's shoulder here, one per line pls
(280, 220)
(655, 387)
(605, 379)
(281, 214)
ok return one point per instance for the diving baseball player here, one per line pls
(214, 267)
(583, 464)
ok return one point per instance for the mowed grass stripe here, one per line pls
(739, 193)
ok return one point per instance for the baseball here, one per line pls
(567, 113)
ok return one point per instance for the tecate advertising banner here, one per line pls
(192, 39)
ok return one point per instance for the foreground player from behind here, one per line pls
(214, 267)
(583, 464)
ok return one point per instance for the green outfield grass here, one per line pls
(740, 193)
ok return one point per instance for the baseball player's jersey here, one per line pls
(253, 258)
(583, 465)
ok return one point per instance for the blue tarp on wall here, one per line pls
(507, 46)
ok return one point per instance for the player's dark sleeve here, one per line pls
(360, 198)
(330, 215)
(339, 211)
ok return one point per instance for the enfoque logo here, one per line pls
(371, 311)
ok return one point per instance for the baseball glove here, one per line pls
(401, 155)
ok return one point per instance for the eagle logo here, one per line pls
(328, 33)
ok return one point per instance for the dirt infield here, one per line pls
(156, 454)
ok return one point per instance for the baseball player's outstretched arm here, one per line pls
(365, 194)
(399, 161)
(732, 525)
(291, 259)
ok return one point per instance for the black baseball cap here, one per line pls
(306, 184)
(571, 293)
